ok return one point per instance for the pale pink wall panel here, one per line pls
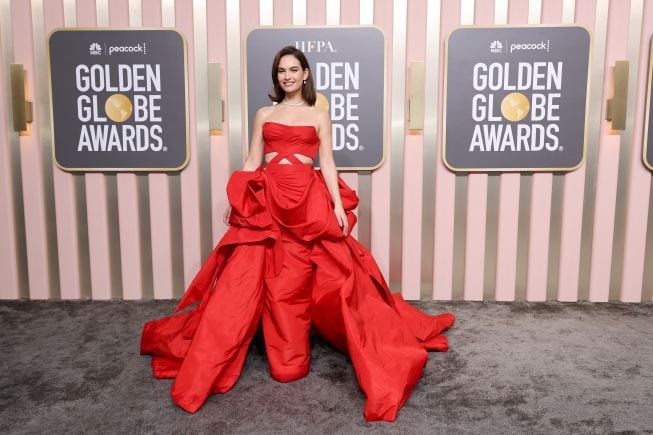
(130, 236)
(483, 12)
(316, 12)
(608, 163)
(66, 205)
(217, 52)
(538, 246)
(282, 12)
(639, 182)
(508, 222)
(551, 12)
(541, 191)
(9, 255)
(475, 237)
(349, 14)
(475, 226)
(412, 234)
(602, 236)
(119, 13)
(445, 180)
(159, 198)
(249, 20)
(160, 230)
(151, 15)
(32, 156)
(381, 177)
(128, 205)
(413, 166)
(508, 214)
(190, 195)
(573, 198)
(96, 203)
(518, 12)
(570, 235)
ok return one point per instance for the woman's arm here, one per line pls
(255, 155)
(328, 168)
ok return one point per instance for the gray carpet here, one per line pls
(73, 367)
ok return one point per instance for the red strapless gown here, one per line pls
(285, 262)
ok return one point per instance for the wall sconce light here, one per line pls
(216, 105)
(21, 108)
(616, 106)
(416, 96)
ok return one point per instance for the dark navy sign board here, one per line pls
(119, 99)
(348, 65)
(516, 98)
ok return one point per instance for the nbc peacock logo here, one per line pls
(496, 47)
(95, 49)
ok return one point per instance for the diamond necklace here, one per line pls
(292, 104)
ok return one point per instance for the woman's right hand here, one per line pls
(225, 216)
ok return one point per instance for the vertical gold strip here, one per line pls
(174, 183)
(332, 12)
(299, 12)
(568, 11)
(492, 211)
(111, 181)
(399, 17)
(534, 11)
(6, 38)
(634, 35)
(593, 132)
(431, 113)
(135, 13)
(500, 11)
(460, 207)
(42, 103)
(70, 12)
(101, 13)
(168, 13)
(525, 194)
(202, 123)
(366, 12)
(266, 12)
(142, 181)
(70, 20)
(234, 85)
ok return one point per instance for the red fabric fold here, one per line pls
(350, 303)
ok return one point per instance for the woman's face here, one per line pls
(290, 74)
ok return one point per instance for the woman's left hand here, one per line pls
(342, 218)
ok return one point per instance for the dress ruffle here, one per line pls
(352, 307)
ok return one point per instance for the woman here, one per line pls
(288, 259)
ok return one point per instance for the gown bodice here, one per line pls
(287, 140)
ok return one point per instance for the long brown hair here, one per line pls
(308, 89)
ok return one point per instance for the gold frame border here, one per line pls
(648, 164)
(331, 26)
(186, 98)
(525, 170)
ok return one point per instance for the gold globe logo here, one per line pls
(321, 102)
(118, 107)
(515, 106)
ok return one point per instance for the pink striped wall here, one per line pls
(500, 236)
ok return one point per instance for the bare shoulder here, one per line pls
(322, 118)
(264, 112)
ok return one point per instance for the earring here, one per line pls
(304, 81)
